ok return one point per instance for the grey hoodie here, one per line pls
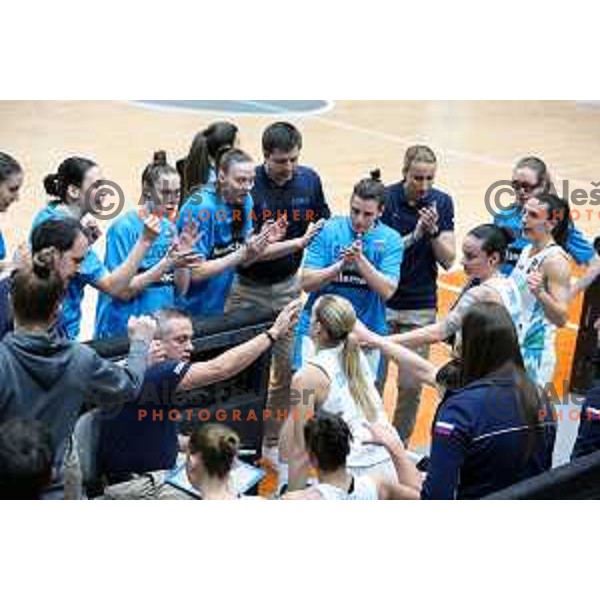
(48, 378)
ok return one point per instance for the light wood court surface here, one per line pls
(476, 143)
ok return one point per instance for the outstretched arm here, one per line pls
(237, 359)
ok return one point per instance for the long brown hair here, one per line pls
(490, 348)
(338, 318)
(206, 147)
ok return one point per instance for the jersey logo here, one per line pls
(443, 429)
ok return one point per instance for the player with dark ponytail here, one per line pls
(356, 257)
(75, 193)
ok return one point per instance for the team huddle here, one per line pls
(215, 234)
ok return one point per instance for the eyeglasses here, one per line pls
(524, 186)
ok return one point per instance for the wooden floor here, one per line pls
(476, 142)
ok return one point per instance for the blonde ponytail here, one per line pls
(357, 382)
(338, 318)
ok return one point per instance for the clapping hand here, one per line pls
(535, 282)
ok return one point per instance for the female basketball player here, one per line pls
(484, 250)
(542, 278)
(223, 215)
(531, 177)
(337, 379)
(424, 216)
(11, 180)
(164, 262)
(328, 442)
(356, 257)
(199, 167)
(496, 428)
(212, 450)
(75, 193)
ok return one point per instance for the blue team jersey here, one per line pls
(481, 443)
(2, 247)
(382, 246)
(576, 246)
(215, 222)
(112, 314)
(90, 272)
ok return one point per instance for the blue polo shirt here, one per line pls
(130, 443)
(302, 201)
(90, 272)
(382, 247)
(576, 245)
(215, 221)
(588, 436)
(480, 439)
(418, 282)
(112, 314)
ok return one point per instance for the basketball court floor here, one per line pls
(476, 142)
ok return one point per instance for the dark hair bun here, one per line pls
(159, 158)
(376, 175)
(51, 184)
(44, 262)
(228, 444)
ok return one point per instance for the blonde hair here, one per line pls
(338, 318)
(416, 154)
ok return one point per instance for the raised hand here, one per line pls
(189, 237)
(91, 229)
(152, 228)
(313, 230)
(276, 229)
(535, 282)
(141, 329)
(352, 252)
(256, 245)
(428, 221)
(286, 319)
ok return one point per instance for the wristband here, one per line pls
(271, 337)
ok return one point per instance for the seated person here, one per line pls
(132, 443)
(328, 440)
(212, 450)
(26, 458)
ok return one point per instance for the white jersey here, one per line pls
(536, 333)
(510, 295)
(362, 488)
(340, 402)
